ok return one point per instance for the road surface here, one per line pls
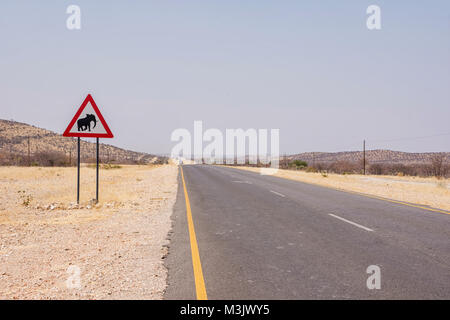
(264, 237)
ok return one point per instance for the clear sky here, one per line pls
(310, 68)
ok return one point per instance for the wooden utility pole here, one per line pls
(29, 155)
(364, 157)
(11, 157)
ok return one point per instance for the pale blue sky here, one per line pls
(310, 68)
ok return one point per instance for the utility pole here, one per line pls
(11, 157)
(29, 156)
(364, 157)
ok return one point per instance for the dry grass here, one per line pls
(118, 244)
(44, 186)
(425, 191)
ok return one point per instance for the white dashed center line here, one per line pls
(351, 222)
(278, 194)
(237, 181)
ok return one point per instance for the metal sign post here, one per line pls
(88, 122)
(96, 193)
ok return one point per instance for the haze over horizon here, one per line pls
(311, 69)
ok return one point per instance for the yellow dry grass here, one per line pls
(27, 190)
(50, 184)
(424, 191)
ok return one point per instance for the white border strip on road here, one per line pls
(278, 194)
(351, 222)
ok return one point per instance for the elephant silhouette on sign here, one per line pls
(85, 123)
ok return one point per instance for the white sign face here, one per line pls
(88, 122)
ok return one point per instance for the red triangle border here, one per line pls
(108, 133)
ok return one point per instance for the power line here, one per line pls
(356, 144)
(411, 138)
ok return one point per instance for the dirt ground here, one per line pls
(431, 192)
(52, 249)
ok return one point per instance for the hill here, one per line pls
(17, 140)
(372, 157)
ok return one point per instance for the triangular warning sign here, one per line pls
(88, 122)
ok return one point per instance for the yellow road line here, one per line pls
(197, 265)
(396, 201)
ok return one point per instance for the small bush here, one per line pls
(441, 184)
(311, 169)
(111, 166)
(105, 166)
(376, 169)
(299, 164)
(26, 198)
(345, 167)
(48, 159)
(26, 201)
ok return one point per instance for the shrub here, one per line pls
(298, 164)
(375, 169)
(47, 159)
(344, 167)
(311, 169)
(438, 167)
(105, 166)
(111, 166)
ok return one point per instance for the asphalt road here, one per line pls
(263, 237)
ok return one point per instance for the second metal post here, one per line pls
(78, 172)
(96, 194)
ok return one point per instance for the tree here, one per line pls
(437, 165)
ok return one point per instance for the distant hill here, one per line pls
(372, 157)
(16, 138)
